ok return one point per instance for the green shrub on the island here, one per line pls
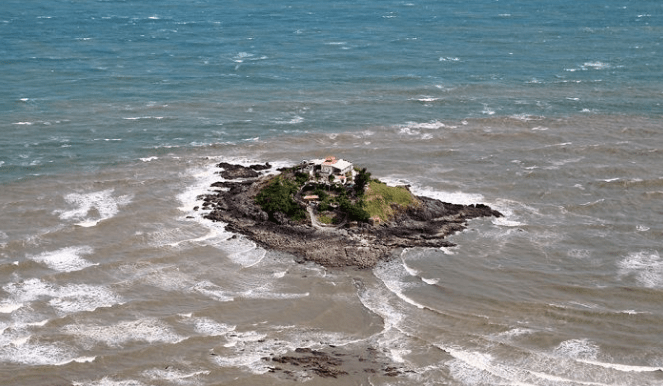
(325, 219)
(380, 199)
(277, 197)
(355, 211)
(301, 178)
(324, 205)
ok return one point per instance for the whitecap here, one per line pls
(105, 204)
(503, 221)
(596, 65)
(23, 352)
(173, 375)
(66, 259)
(451, 197)
(66, 299)
(646, 266)
(432, 125)
(8, 307)
(107, 381)
(487, 110)
(577, 349)
(213, 291)
(430, 281)
(148, 330)
(209, 327)
(148, 159)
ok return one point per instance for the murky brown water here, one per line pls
(106, 280)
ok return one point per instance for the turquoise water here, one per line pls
(88, 84)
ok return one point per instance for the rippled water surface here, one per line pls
(114, 114)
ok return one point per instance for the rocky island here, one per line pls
(329, 212)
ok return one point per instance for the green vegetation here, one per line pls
(361, 179)
(368, 198)
(277, 197)
(325, 219)
(380, 200)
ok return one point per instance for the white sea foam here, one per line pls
(213, 291)
(66, 259)
(247, 256)
(148, 159)
(148, 330)
(514, 332)
(105, 204)
(451, 197)
(209, 327)
(23, 351)
(245, 353)
(577, 349)
(9, 307)
(505, 222)
(107, 381)
(621, 367)
(433, 125)
(176, 376)
(646, 266)
(66, 299)
(392, 274)
(478, 368)
(595, 65)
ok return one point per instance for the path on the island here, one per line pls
(323, 228)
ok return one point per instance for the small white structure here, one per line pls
(327, 166)
(333, 165)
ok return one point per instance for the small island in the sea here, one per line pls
(331, 212)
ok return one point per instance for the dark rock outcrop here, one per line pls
(232, 172)
(358, 245)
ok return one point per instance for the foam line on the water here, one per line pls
(213, 291)
(147, 330)
(108, 381)
(106, 205)
(173, 375)
(66, 259)
(474, 367)
(391, 274)
(621, 367)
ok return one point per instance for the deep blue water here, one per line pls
(91, 83)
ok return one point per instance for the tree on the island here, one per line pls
(331, 178)
(362, 178)
(277, 197)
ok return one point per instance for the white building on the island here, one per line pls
(330, 166)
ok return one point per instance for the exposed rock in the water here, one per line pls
(353, 244)
(333, 362)
(232, 172)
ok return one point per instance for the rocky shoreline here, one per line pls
(352, 244)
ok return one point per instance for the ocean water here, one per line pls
(114, 113)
